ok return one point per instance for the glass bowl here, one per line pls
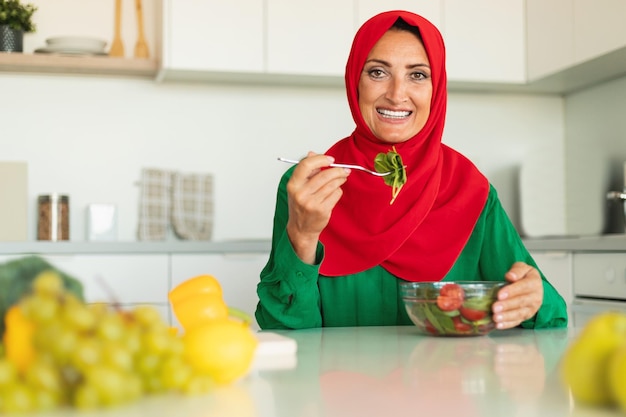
(447, 308)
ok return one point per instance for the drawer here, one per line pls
(128, 279)
(600, 275)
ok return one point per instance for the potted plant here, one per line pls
(16, 19)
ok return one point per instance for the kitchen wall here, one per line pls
(89, 137)
(594, 119)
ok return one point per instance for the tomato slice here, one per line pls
(450, 297)
(453, 291)
(449, 303)
(472, 314)
(461, 326)
(430, 328)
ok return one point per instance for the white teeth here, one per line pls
(393, 114)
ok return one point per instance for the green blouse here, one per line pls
(292, 294)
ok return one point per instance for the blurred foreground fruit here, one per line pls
(17, 339)
(17, 276)
(617, 377)
(218, 339)
(197, 300)
(63, 352)
(197, 309)
(201, 284)
(223, 349)
(588, 362)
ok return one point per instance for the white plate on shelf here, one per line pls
(67, 51)
(77, 43)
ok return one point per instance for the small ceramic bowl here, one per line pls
(460, 308)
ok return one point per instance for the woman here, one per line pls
(341, 246)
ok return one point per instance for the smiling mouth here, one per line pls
(389, 114)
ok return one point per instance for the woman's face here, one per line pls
(396, 87)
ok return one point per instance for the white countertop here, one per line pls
(390, 371)
(610, 243)
(136, 247)
(603, 243)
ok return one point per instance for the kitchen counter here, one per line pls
(604, 243)
(390, 371)
(128, 247)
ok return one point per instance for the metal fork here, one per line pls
(358, 167)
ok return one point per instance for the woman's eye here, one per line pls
(419, 76)
(376, 73)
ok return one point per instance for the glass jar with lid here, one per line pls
(53, 217)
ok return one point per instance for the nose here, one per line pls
(396, 91)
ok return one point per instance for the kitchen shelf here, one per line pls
(67, 64)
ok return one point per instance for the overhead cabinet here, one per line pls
(556, 46)
(575, 43)
(212, 35)
(280, 39)
(303, 37)
(550, 36)
(430, 9)
(598, 28)
(485, 47)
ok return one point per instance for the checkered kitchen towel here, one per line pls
(154, 204)
(192, 206)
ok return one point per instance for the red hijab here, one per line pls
(420, 235)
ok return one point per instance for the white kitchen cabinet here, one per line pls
(557, 268)
(309, 37)
(485, 40)
(550, 36)
(238, 274)
(600, 275)
(430, 9)
(599, 284)
(128, 279)
(599, 27)
(562, 34)
(211, 35)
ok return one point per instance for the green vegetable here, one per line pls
(391, 162)
(16, 277)
(479, 303)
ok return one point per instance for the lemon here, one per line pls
(617, 376)
(584, 368)
(223, 349)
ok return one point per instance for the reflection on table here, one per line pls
(390, 371)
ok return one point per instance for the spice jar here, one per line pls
(54, 217)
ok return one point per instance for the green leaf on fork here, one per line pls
(391, 162)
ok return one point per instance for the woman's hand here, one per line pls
(312, 192)
(519, 300)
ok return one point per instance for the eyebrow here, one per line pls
(385, 63)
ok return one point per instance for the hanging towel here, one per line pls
(154, 204)
(192, 206)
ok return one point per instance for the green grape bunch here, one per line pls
(89, 356)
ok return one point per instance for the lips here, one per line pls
(391, 114)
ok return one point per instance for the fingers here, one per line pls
(314, 189)
(312, 193)
(521, 299)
